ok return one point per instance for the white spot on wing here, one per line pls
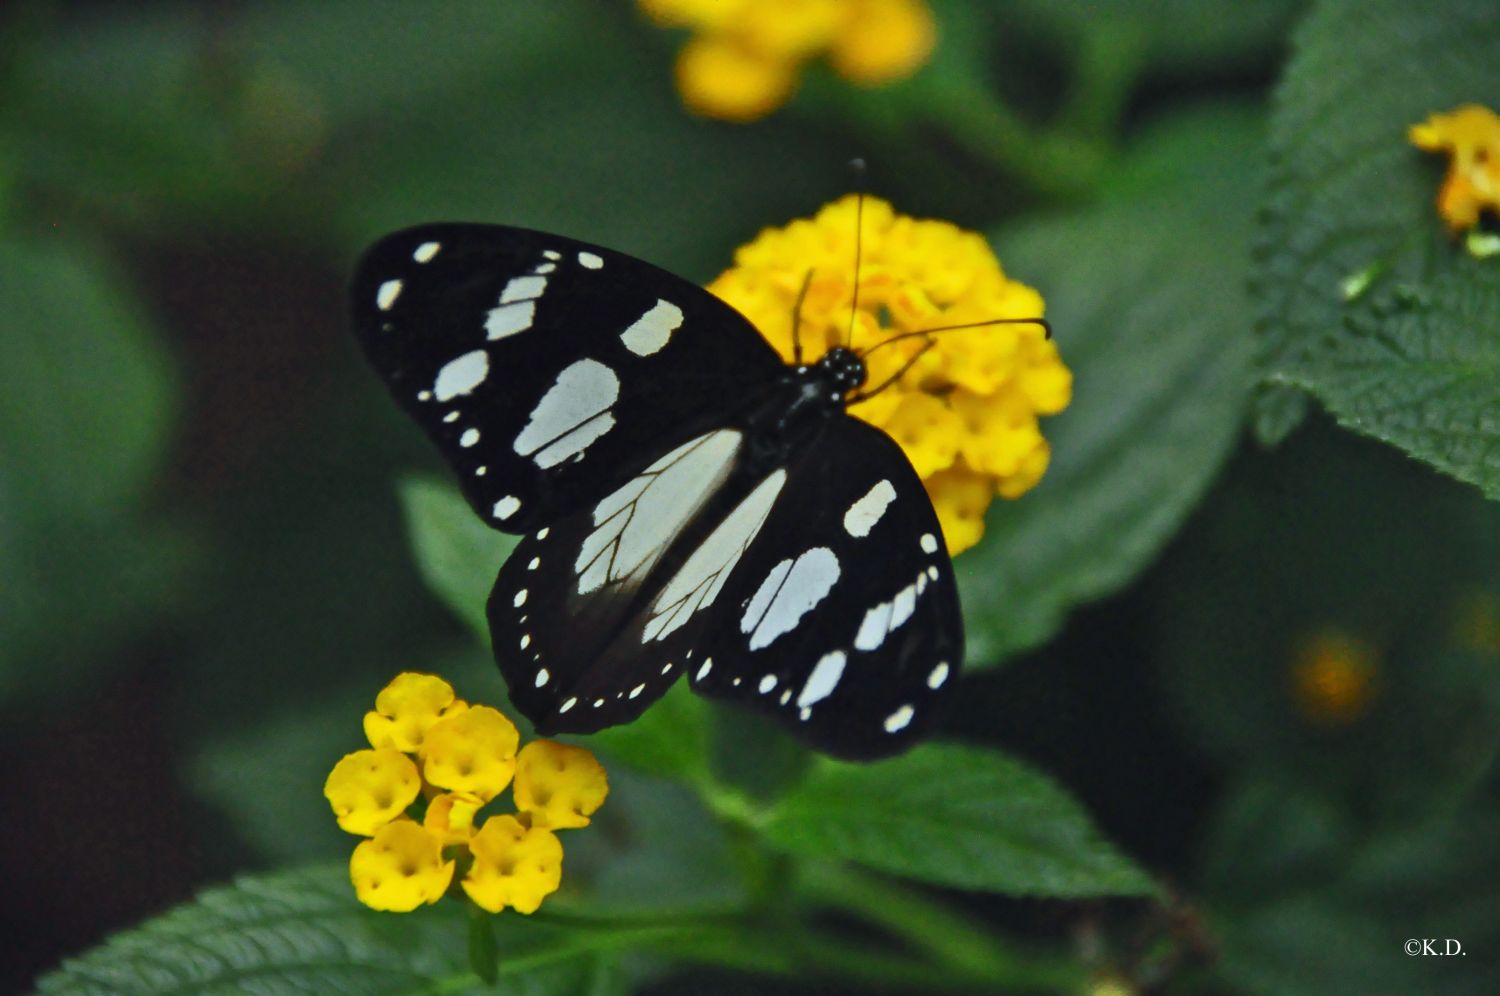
(571, 415)
(938, 676)
(520, 598)
(567, 705)
(590, 260)
(637, 522)
(542, 677)
(898, 720)
(651, 331)
(903, 606)
(386, 294)
(929, 543)
(790, 591)
(873, 629)
(767, 683)
(461, 375)
(638, 689)
(863, 514)
(552, 254)
(823, 680)
(469, 438)
(426, 251)
(708, 663)
(509, 319)
(506, 507)
(535, 563)
(706, 570)
(524, 288)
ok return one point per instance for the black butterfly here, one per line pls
(691, 504)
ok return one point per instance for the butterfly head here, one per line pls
(843, 369)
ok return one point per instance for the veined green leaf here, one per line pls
(959, 816)
(1364, 301)
(1146, 296)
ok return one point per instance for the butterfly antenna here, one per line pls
(1045, 326)
(797, 318)
(858, 166)
(866, 395)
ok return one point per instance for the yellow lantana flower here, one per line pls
(514, 865)
(965, 410)
(1470, 135)
(745, 56)
(514, 860)
(1334, 678)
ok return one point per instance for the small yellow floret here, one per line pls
(406, 707)
(400, 868)
(558, 784)
(966, 410)
(369, 788)
(1470, 135)
(1333, 678)
(472, 752)
(514, 865)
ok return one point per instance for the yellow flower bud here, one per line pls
(405, 708)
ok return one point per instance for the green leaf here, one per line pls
(457, 554)
(1145, 293)
(957, 816)
(86, 403)
(1364, 302)
(303, 931)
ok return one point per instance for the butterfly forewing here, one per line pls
(547, 371)
(842, 619)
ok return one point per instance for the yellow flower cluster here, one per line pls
(745, 56)
(1470, 135)
(965, 411)
(1333, 678)
(425, 743)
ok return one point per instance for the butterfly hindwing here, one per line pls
(546, 370)
(842, 619)
(595, 616)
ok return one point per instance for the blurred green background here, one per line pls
(205, 573)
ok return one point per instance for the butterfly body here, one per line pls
(689, 503)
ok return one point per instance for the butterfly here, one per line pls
(689, 503)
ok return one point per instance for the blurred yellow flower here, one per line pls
(965, 412)
(745, 57)
(1470, 135)
(1333, 678)
(514, 860)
